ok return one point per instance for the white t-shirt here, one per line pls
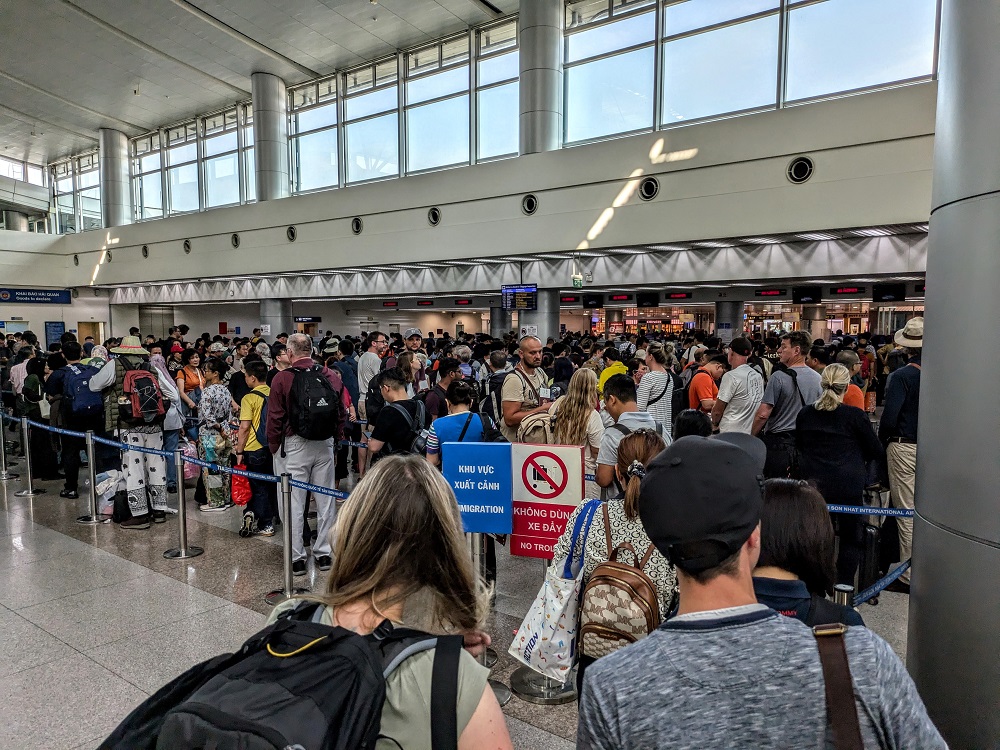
(368, 367)
(742, 389)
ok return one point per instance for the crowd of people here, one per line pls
(715, 461)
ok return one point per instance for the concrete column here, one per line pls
(116, 193)
(814, 317)
(500, 322)
(270, 135)
(276, 313)
(545, 318)
(728, 320)
(15, 221)
(614, 316)
(952, 647)
(541, 56)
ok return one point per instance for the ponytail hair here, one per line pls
(635, 451)
(835, 380)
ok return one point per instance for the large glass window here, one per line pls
(220, 146)
(65, 197)
(609, 69)
(313, 120)
(147, 183)
(437, 105)
(183, 185)
(12, 169)
(843, 45)
(371, 105)
(719, 56)
(498, 107)
(20, 170)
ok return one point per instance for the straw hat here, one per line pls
(912, 335)
(129, 345)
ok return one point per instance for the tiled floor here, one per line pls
(94, 618)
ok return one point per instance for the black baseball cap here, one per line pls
(700, 500)
(741, 346)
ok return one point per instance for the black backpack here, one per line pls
(417, 441)
(490, 395)
(678, 396)
(297, 683)
(374, 402)
(315, 411)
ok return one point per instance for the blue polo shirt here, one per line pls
(792, 599)
(447, 429)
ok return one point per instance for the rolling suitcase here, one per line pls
(869, 571)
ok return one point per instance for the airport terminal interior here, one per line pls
(580, 171)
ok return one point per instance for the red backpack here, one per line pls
(141, 401)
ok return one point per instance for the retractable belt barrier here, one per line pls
(876, 588)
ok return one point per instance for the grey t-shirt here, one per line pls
(634, 420)
(780, 393)
(751, 679)
(368, 367)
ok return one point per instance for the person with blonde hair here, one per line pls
(577, 421)
(655, 393)
(834, 443)
(400, 556)
(617, 522)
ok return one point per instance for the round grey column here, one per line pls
(728, 320)
(270, 135)
(952, 650)
(545, 318)
(815, 316)
(614, 316)
(276, 313)
(116, 195)
(500, 322)
(541, 57)
(15, 221)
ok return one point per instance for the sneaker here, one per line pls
(248, 526)
(206, 508)
(299, 568)
(136, 522)
(69, 494)
(323, 562)
(266, 531)
(171, 489)
(159, 516)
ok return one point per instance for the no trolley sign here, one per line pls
(480, 477)
(548, 486)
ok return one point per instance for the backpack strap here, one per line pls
(607, 530)
(822, 610)
(622, 429)
(841, 711)
(647, 556)
(795, 382)
(666, 387)
(444, 693)
(465, 428)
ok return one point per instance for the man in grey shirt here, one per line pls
(620, 403)
(726, 671)
(786, 393)
(368, 367)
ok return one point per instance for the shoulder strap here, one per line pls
(444, 693)
(465, 428)
(607, 529)
(666, 387)
(527, 381)
(822, 610)
(621, 428)
(402, 410)
(795, 382)
(841, 711)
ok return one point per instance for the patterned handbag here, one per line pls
(620, 603)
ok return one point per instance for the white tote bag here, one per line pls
(546, 640)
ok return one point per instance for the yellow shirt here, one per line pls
(615, 368)
(250, 408)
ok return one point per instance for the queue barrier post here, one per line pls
(843, 593)
(5, 472)
(183, 549)
(289, 590)
(501, 691)
(94, 518)
(532, 687)
(30, 490)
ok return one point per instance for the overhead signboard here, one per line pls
(679, 295)
(36, 296)
(770, 292)
(620, 297)
(309, 320)
(547, 486)
(480, 476)
(390, 304)
(847, 290)
(593, 300)
(519, 296)
(889, 292)
(647, 299)
(569, 299)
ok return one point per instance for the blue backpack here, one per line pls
(82, 402)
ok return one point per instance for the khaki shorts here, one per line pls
(366, 429)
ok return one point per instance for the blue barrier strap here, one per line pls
(57, 430)
(864, 510)
(317, 489)
(876, 588)
(590, 477)
(352, 444)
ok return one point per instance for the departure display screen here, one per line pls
(390, 304)
(770, 292)
(889, 292)
(620, 297)
(425, 303)
(593, 300)
(569, 299)
(804, 295)
(647, 299)
(837, 291)
(520, 296)
(463, 302)
(680, 295)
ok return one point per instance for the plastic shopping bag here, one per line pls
(546, 640)
(191, 471)
(108, 483)
(240, 486)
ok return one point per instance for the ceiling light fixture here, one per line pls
(816, 236)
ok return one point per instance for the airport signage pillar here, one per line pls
(270, 134)
(15, 221)
(543, 321)
(728, 320)
(815, 317)
(116, 194)
(541, 75)
(952, 648)
(500, 322)
(276, 317)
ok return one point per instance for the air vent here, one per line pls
(799, 169)
(291, 234)
(649, 188)
(235, 239)
(357, 226)
(76, 260)
(434, 216)
(145, 251)
(187, 246)
(529, 204)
